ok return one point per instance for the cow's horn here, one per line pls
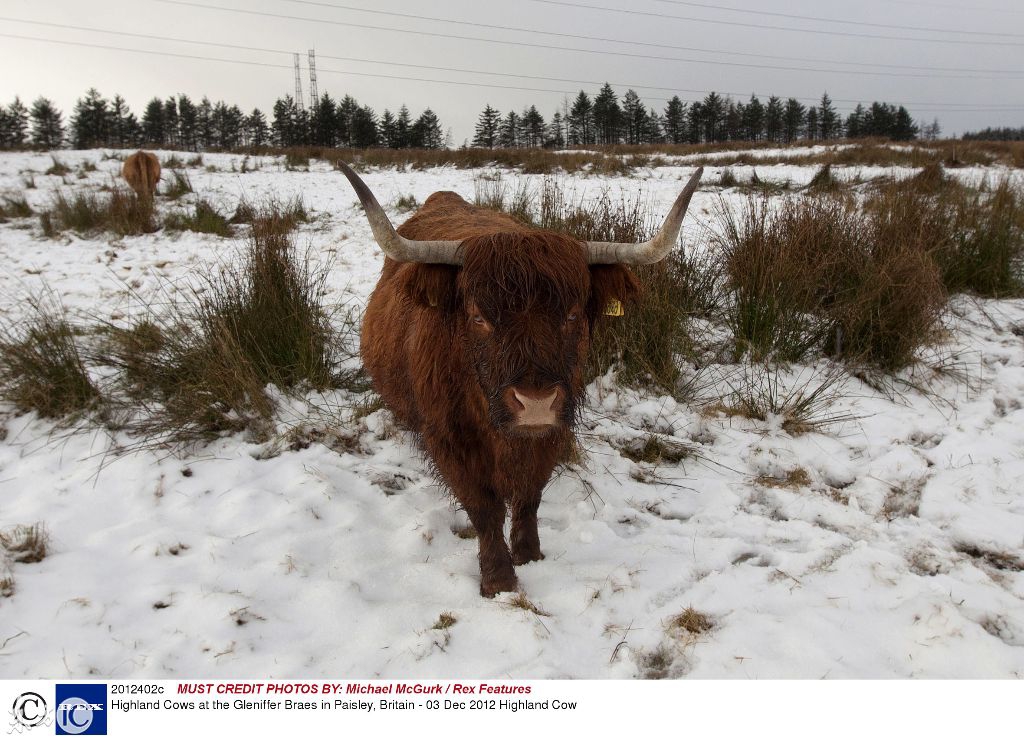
(656, 248)
(394, 245)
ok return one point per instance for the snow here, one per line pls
(266, 561)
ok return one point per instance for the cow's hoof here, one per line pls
(491, 586)
(526, 555)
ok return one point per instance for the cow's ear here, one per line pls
(611, 287)
(430, 285)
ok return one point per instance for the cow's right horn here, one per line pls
(656, 248)
(394, 245)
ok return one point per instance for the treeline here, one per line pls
(1001, 134)
(606, 120)
(180, 123)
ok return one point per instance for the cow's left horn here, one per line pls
(656, 248)
(394, 245)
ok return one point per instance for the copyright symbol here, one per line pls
(29, 709)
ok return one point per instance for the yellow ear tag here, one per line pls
(614, 308)
(433, 301)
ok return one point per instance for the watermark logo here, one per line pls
(29, 711)
(81, 708)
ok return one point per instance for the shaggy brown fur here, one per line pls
(446, 347)
(142, 171)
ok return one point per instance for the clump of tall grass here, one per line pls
(975, 236)
(121, 212)
(204, 369)
(57, 168)
(41, 365)
(203, 217)
(178, 185)
(819, 273)
(14, 207)
(284, 215)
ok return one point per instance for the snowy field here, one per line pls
(899, 553)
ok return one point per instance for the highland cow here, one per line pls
(476, 337)
(142, 171)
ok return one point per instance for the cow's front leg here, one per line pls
(524, 537)
(487, 514)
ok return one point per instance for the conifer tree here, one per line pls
(828, 120)
(403, 128)
(323, 122)
(675, 121)
(607, 116)
(903, 128)
(486, 133)
(256, 128)
(634, 116)
(364, 128)
(171, 136)
(90, 122)
(581, 120)
(427, 132)
(855, 122)
(753, 119)
(793, 117)
(531, 128)
(556, 132)
(188, 123)
(388, 130)
(712, 114)
(653, 131)
(13, 125)
(508, 132)
(812, 123)
(773, 114)
(47, 125)
(153, 132)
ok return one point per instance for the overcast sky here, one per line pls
(658, 47)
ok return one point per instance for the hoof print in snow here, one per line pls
(242, 616)
(392, 482)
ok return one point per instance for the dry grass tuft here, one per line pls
(26, 544)
(691, 621)
(14, 207)
(794, 479)
(121, 212)
(204, 217)
(41, 366)
(523, 603)
(178, 185)
(655, 449)
(445, 621)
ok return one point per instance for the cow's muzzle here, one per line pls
(534, 410)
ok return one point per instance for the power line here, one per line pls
(987, 107)
(534, 45)
(550, 33)
(868, 24)
(948, 6)
(763, 27)
(639, 43)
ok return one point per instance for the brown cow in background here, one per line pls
(142, 171)
(476, 337)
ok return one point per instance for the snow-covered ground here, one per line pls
(898, 554)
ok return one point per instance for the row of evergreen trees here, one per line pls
(1002, 134)
(604, 120)
(179, 123)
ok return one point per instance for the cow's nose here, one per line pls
(532, 407)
